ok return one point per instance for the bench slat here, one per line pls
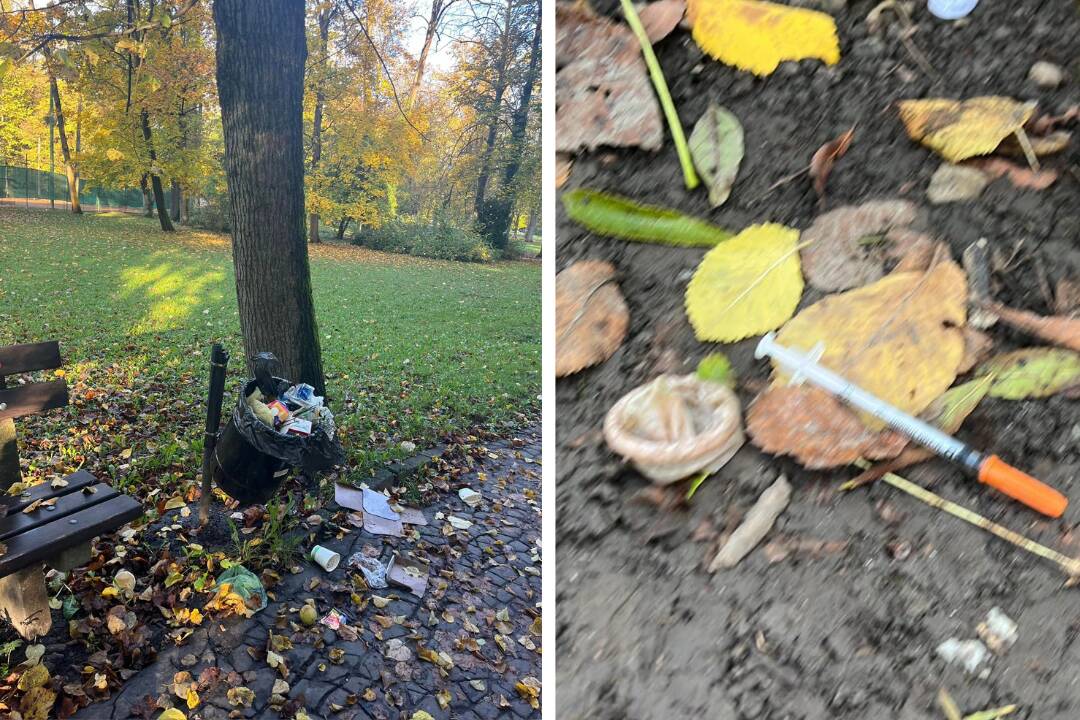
(76, 481)
(21, 522)
(30, 357)
(45, 541)
(36, 397)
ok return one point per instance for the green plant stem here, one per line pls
(657, 75)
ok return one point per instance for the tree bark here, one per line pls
(320, 101)
(494, 219)
(155, 179)
(499, 87)
(530, 227)
(437, 9)
(260, 75)
(342, 226)
(174, 198)
(147, 198)
(70, 169)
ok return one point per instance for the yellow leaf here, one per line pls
(758, 36)
(747, 285)
(899, 338)
(192, 698)
(196, 617)
(175, 502)
(110, 592)
(37, 703)
(958, 130)
(35, 676)
(172, 714)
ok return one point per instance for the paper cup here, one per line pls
(325, 558)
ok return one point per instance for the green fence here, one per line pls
(33, 187)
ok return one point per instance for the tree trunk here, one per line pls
(484, 176)
(147, 199)
(429, 37)
(185, 210)
(530, 227)
(260, 76)
(69, 166)
(342, 226)
(174, 200)
(155, 179)
(494, 218)
(320, 101)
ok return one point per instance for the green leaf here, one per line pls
(1032, 372)
(992, 714)
(70, 607)
(695, 483)
(166, 21)
(715, 367)
(716, 145)
(616, 216)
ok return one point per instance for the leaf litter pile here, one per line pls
(895, 190)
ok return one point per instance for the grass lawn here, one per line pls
(413, 348)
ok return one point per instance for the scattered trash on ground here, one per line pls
(458, 523)
(325, 558)
(470, 497)
(998, 631)
(373, 570)
(968, 654)
(334, 619)
(408, 573)
(239, 591)
(755, 526)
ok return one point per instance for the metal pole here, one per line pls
(219, 361)
(26, 179)
(52, 155)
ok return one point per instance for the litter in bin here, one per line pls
(373, 570)
(276, 425)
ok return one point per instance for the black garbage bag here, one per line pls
(252, 460)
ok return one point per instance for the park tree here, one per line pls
(261, 48)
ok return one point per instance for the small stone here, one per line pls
(952, 183)
(189, 660)
(1046, 75)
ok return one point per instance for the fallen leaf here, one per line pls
(563, 164)
(615, 216)
(746, 286)
(37, 703)
(715, 367)
(1042, 145)
(591, 317)
(958, 130)
(529, 689)
(898, 338)
(659, 18)
(1059, 330)
(757, 36)
(240, 696)
(821, 164)
(815, 428)
(1066, 296)
(1032, 372)
(716, 145)
(912, 250)
(603, 95)
(35, 676)
(34, 653)
(172, 714)
(1021, 177)
(977, 347)
(833, 258)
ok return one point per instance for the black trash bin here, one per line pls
(252, 460)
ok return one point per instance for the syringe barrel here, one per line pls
(921, 432)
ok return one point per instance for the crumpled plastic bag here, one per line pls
(239, 591)
(374, 571)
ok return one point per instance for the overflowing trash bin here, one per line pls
(276, 425)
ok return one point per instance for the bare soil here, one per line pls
(643, 630)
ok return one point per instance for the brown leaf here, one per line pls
(1046, 123)
(815, 428)
(1019, 176)
(977, 347)
(1066, 296)
(661, 17)
(563, 163)
(1059, 330)
(1042, 145)
(591, 317)
(914, 251)
(834, 258)
(821, 164)
(603, 95)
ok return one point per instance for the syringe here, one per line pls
(990, 469)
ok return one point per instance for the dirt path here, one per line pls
(644, 631)
(475, 575)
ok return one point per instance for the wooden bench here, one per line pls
(59, 530)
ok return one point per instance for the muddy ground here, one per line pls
(643, 630)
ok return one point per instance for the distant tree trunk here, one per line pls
(499, 88)
(147, 198)
(320, 101)
(342, 226)
(530, 227)
(185, 210)
(260, 76)
(438, 9)
(155, 179)
(70, 169)
(494, 217)
(174, 198)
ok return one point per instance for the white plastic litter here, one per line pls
(458, 523)
(969, 654)
(998, 630)
(469, 496)
(374, 571)
(951, 9)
